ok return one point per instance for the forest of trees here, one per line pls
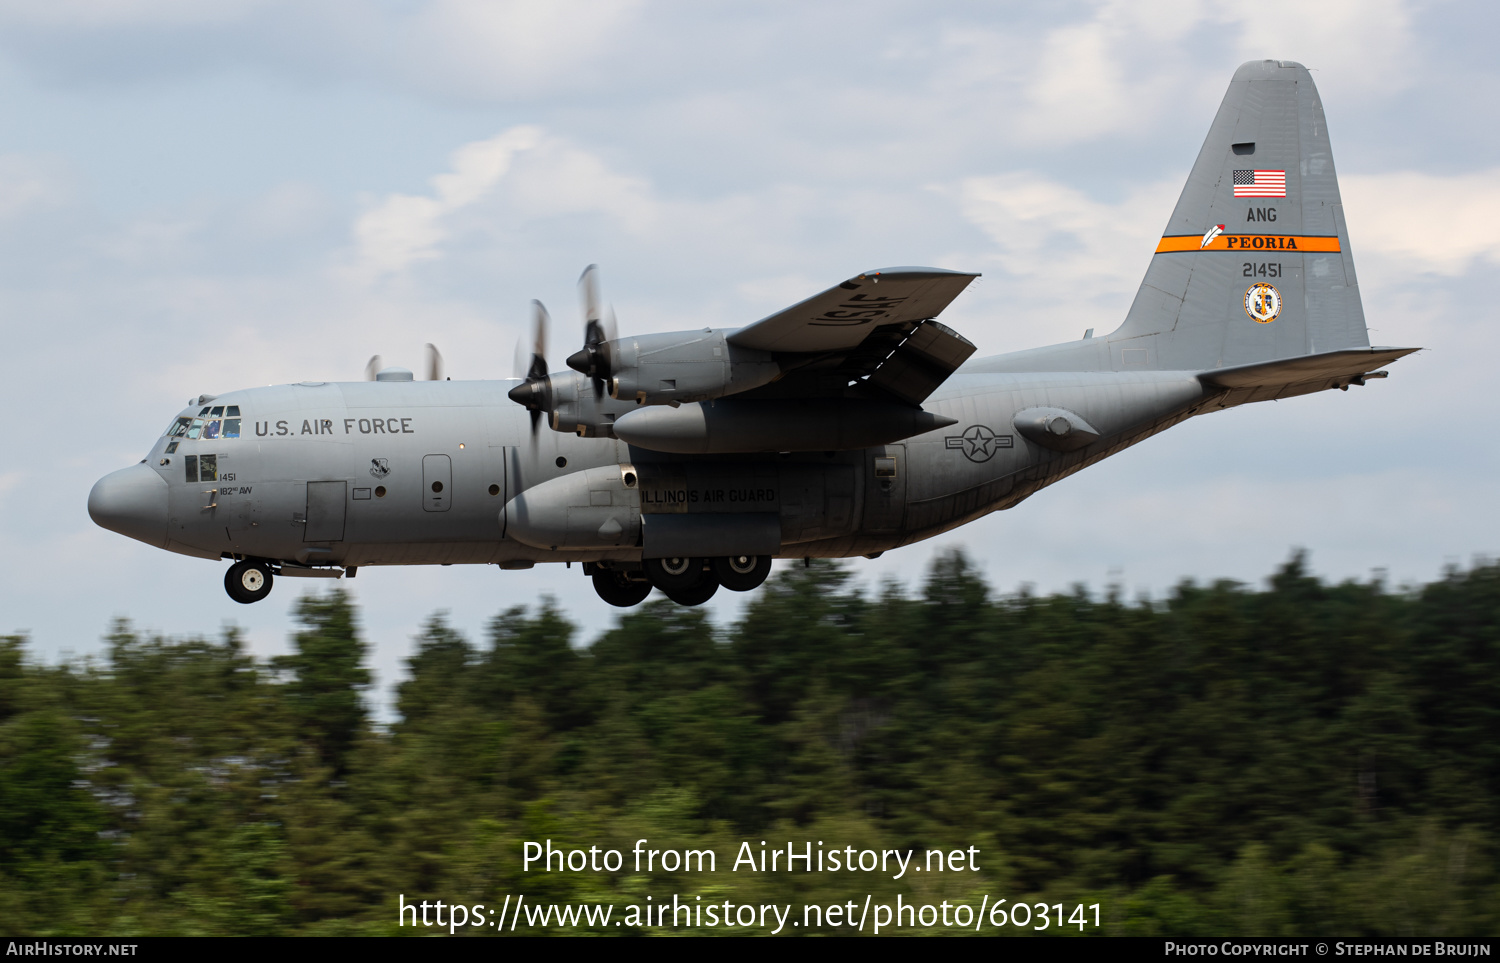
(1304, 759)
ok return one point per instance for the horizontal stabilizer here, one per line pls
(1328, 366)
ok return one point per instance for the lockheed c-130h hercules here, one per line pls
(848, 424)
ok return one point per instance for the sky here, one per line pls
(201, 197)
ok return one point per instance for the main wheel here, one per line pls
(741, 573)
(616, 589)
(248, 581)
(696, 595)
(674, 574)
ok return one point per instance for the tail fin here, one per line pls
(1254, 265)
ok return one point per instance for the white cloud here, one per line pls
(1427, 222)
(404, 228)
(29, 183)
(498, 49)
(1051, 235)
(1091, 77)
(1366, 44)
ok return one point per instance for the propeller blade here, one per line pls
(434, 363)
(534, 392)
(540, 322)
(588, 294)
(593, 358)
(372, 367)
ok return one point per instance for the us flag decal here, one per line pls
(1260, 183)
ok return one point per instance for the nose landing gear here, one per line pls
(248, 581)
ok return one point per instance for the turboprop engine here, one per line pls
(654, 369)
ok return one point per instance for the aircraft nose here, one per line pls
(133, 502)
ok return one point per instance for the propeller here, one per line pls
(374, 366)
(593, 359)
(534, 392)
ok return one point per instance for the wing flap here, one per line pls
(841, 317)
(922, 362)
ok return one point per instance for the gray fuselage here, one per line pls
(344, 473)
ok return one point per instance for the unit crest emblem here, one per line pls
(1262, 303)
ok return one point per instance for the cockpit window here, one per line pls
(179, 427)
(203, 412)
(211, 430)
(195, 429)
(233, 411)
(231, 426)
(201, 467)
(218, 411)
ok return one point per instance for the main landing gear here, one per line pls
(686, 581)
(248, 581)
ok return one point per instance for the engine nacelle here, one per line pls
(575, 409)
(654, 369)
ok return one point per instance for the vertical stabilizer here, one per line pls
(1254, 265)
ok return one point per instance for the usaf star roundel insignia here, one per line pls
(1262, 303)
(979, 443)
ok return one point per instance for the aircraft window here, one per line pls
(211, 430)
(231, 427)
(196, 427)
(191, 464)
(208, 467)
(379, 491)
(203, 413)
(218, 411)
(171, 447)
(179, 428)
(233, 411)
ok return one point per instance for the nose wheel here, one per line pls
(248, 581)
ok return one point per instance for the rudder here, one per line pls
(1254, 264)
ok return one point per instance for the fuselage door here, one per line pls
(885, 488)
(437, 482)
(325, 511)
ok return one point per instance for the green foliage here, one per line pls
(327, 676)
(1306, 758)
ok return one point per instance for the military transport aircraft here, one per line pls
(848, 424)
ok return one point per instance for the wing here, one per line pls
(842, 316)
(875, 330)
